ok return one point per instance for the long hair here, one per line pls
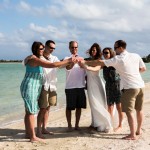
(98, 49)
(112, 52)
(35, 47)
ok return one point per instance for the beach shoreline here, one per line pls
(12, 135)
(12, 105)
(57, 108)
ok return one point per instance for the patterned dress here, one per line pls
(31, 88)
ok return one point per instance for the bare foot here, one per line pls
(138, 133)
(77, 128)
(130, 137)
(36, 139)
(40, 135)
(117, 129)
(69, 129)
(91, 127)
(47, 132)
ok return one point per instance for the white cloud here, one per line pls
(26, 8)
(2, 38)
(1, 35)
(83, 20)
(40, 29)
(120, 25)
(116, 15)
(137, 4)
(23, 6)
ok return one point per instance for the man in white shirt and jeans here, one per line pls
(48, 95)
(129, 66)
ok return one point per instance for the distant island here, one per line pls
(8, 61)
(146, 59)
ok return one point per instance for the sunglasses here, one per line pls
(106, 53)
(74, 47)
(51, 47)
(116, 47)
(41, 49)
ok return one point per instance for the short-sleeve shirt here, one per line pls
(50, 74)
(75, 77)
(128, 65)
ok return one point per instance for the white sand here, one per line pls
(12, 136)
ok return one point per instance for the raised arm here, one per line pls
(75, 60)
(94, 63)
(25, 61)
(90, 68)
(46, 64)
(93, 68)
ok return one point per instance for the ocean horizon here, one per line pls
(12, 105)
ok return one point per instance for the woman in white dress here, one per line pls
(101, 119)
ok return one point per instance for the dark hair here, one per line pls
(70, 43)
(121, 43)
(47, 43)
(112, 53)
(98, 53)
(35, 47)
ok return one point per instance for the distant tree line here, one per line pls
(5, 61)
(146, 59)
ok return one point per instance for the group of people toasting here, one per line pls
(123, 87)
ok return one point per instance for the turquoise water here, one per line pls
(12, 106)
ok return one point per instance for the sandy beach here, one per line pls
(12, 136)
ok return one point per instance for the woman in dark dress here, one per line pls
(112, 86)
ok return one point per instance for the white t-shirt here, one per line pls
(50, 74)
(128, 65)
(75, 77)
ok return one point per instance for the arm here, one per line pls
(95, 63)
(142, 66)
(74, 61)
(96, 68)
(93, 68)
(25, 61)
(39, 62)
(142, 69)
(70, 66)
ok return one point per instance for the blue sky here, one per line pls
(86, 21)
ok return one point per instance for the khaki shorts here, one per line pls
(47, 98)
(132, 99)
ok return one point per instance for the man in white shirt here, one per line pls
(48, 95)
(129, 66)
(75, 85)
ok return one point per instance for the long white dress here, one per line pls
(97, 100)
